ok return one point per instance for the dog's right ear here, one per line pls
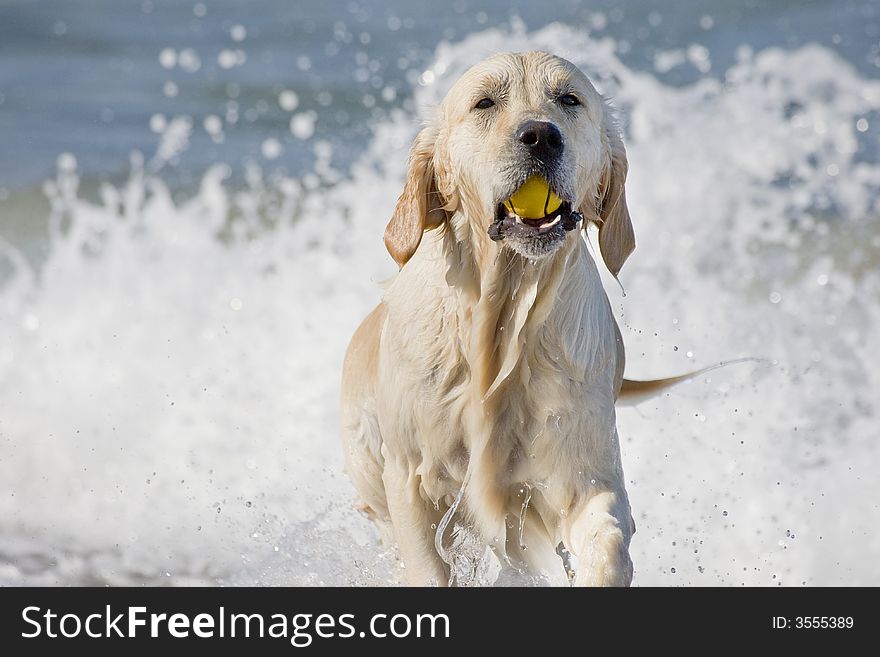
(420, 206)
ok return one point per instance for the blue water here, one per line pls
(85, 77)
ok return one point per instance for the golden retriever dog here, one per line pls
(478, 402)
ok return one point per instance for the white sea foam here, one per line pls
(169, 380)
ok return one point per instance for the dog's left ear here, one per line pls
(616, 237)
(420, 206)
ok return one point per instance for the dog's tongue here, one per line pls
(534, 199)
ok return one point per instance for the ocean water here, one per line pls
(192, 198)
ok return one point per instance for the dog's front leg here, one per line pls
(598, 532)
(411, 518)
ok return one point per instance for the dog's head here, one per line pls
(509, 118)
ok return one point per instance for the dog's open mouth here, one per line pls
(509, 224)
(534, 212)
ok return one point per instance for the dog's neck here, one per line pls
(506, 298)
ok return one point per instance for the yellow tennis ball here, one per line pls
(534, 199)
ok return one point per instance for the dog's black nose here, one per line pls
(543, 139)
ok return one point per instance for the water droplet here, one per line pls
(288, 100)
(238, 32)
(271, 148)
(168, 58)
(213, 125)
(302, 125)
(189, 60)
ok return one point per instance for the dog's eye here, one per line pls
(485, 103)
(570, 100)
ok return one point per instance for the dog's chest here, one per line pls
(534, 417)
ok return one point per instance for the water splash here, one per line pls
(446, 554)
(527, 497)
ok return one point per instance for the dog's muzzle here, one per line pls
(508, 224)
